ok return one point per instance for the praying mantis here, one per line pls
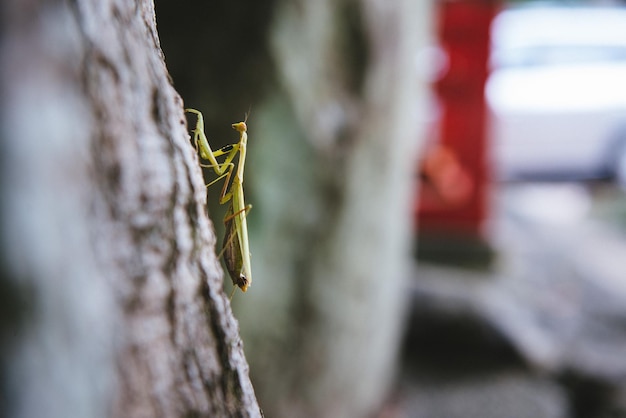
(236, 248)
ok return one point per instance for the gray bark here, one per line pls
(115, 292)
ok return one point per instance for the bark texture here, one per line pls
(107, 253)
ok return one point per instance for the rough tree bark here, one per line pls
(107, 254)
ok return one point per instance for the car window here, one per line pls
(554, 36)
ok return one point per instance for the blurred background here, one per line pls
(439, 220)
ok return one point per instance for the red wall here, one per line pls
(455, 175)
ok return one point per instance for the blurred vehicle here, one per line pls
(557, 93)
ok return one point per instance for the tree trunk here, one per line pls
(336, 162)
(110, 282)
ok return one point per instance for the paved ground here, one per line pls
(548, 314)
(556, 226)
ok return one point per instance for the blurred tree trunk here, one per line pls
(111, 290)
(333, 188)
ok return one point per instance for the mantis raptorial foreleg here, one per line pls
(203, 147)
(235, 245)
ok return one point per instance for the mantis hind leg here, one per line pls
(232, 215)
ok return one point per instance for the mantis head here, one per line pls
(240, 127)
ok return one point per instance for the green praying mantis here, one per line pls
(236, 248)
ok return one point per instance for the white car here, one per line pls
(557, 93)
